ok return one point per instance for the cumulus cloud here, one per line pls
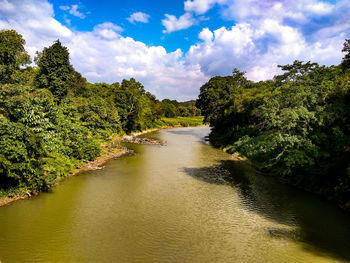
(206, 35)
(138, 17)
(107, 31)
(248, 8)
(172, 23)
(268, 33)
(265, 34)
(298, 11)
(103, 54)
(258, 49)
(34, 20)
(201, 6)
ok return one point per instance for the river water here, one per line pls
(184, 202)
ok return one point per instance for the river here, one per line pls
(184, 202)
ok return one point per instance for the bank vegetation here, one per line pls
(296, 126)
(52, 121)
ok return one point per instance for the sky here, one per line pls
(174, 46)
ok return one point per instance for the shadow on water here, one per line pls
(322, 228)
(200, 134)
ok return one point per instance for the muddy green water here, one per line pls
(184, 202)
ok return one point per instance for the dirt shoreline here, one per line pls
(110, 150)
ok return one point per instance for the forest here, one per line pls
(295, 126)
(52, 120)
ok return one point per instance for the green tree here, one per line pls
(296, 126)
(134, 105)
(219, 93)
(170, 108)
(12, 55)
(55, 71)
(21, 153)
(346, 60)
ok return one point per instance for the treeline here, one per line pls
(296, 126)
(52, 119)
(172, 108)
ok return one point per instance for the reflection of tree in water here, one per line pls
(318, 224)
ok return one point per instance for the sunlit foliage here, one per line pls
(52, 120)
(297, 126)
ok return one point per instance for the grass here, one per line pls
(12, 192)
(182, 121)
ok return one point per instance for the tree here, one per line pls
(12, 55)
(346, 59)
(21, 151)
(296, 126)
(134, 105)
(55, 71)
(217, 93)
(169, 108)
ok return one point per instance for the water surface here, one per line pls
(184, 202)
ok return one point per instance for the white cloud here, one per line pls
(107, 31)
(73, 10)
(138, 17)
(206, 35)
(67, 20)
(259, 48)
(268, 33)
(240, 9)
(201, 6)
(103, 55)
(263, 37)
(320, 8)
(261, 72)
(172, 24)
(34, 20)
(64, 7)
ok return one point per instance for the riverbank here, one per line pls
(110, 150)
(237, 157)
(176, 194)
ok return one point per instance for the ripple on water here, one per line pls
(184, 202)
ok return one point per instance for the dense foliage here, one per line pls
(296, 125)
(12, 56)
(52, 119)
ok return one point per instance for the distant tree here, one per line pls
(77, 84)
(55, 71)
(170, 109)
(12, 55)
(133, 104)
(295, 72)
(346, 59)
(217, 93)
(184, 111)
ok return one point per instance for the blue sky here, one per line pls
(150, 33)
(174, 47)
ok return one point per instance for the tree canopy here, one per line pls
(296, 126)
(12, 55)
(52, 119)
(55, 71)
(346, 60)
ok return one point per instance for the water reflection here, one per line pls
(321, 228)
